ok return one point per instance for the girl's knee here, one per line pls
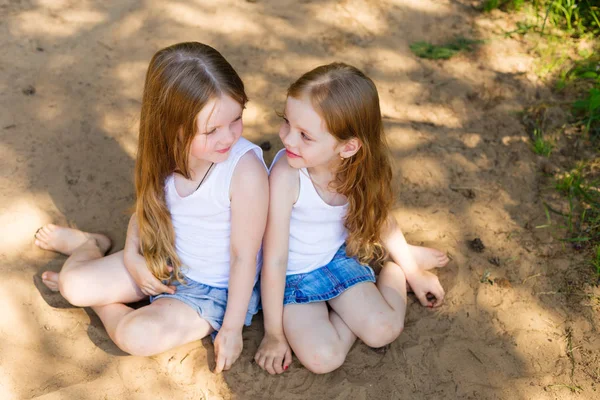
(135, 334)
(380, 332)
(74, 288)
(323, 359)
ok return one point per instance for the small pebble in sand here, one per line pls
(29, 91)
(476, 245)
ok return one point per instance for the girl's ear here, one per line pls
(350, 147)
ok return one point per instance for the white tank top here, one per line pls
(316, 229)
(202, 221)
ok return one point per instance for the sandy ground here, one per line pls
(511, 327)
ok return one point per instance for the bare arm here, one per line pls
(136, 264)
(284, 187)
(249, 205)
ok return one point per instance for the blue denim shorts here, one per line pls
(209, 302)
(328, 281)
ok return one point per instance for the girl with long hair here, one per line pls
(329, 217)
(191, 245)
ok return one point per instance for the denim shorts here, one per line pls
(209, 302)
(328, 281)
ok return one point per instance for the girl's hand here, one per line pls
(274, 354)
(425, 285)
(228, 347)
(136, 265)
(148, 284)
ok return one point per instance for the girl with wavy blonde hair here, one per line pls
(191, 244)
(329, 217)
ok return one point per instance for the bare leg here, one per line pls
(66, 241)
(319, 338)
(375, 313)
(89, 279)
(163, 325)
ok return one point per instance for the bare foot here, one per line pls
(65, 240)
(50, 279)
(428, 258)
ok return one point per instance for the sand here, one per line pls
(516, 324)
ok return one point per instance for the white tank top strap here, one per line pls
(279, 154)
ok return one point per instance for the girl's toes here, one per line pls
(50, 279)
(443, 260)
(50, 227)
(41, 244)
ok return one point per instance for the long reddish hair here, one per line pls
(180, 81)
(348, 102)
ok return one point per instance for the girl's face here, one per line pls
(219, 126)
(304, 134)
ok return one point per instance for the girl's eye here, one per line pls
(286, 120)
(211, 132)
(305, 136)
(237, 119)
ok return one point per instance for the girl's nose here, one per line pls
(288, 139)
(230, 136)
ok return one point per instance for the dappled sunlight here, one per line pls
(68, 23)
(220, 20)
(7, 386)
(130, 25)
(429, 113)
(124, 127)
(131, 75)
(403, 140)
(432, 7)
(463, 168)
(393, 62)
(19, 221)
(16, 313)
(509, 140)
(356, 16)
(425, 170)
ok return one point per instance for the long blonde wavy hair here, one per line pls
(180, 81)
(348, 102)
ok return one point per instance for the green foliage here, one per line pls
(596, 260)
(445, 51)
(540, 145)
(587, 69)
(583, 216)
(490, 5)
(577, 17)
(589, 109)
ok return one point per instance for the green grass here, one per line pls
(575, 17)
(596, 260)
(583, 216)
(555, 28)
(490, 5)
(540, 145)
(587, 70)
(444, 51)
(588, 109)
